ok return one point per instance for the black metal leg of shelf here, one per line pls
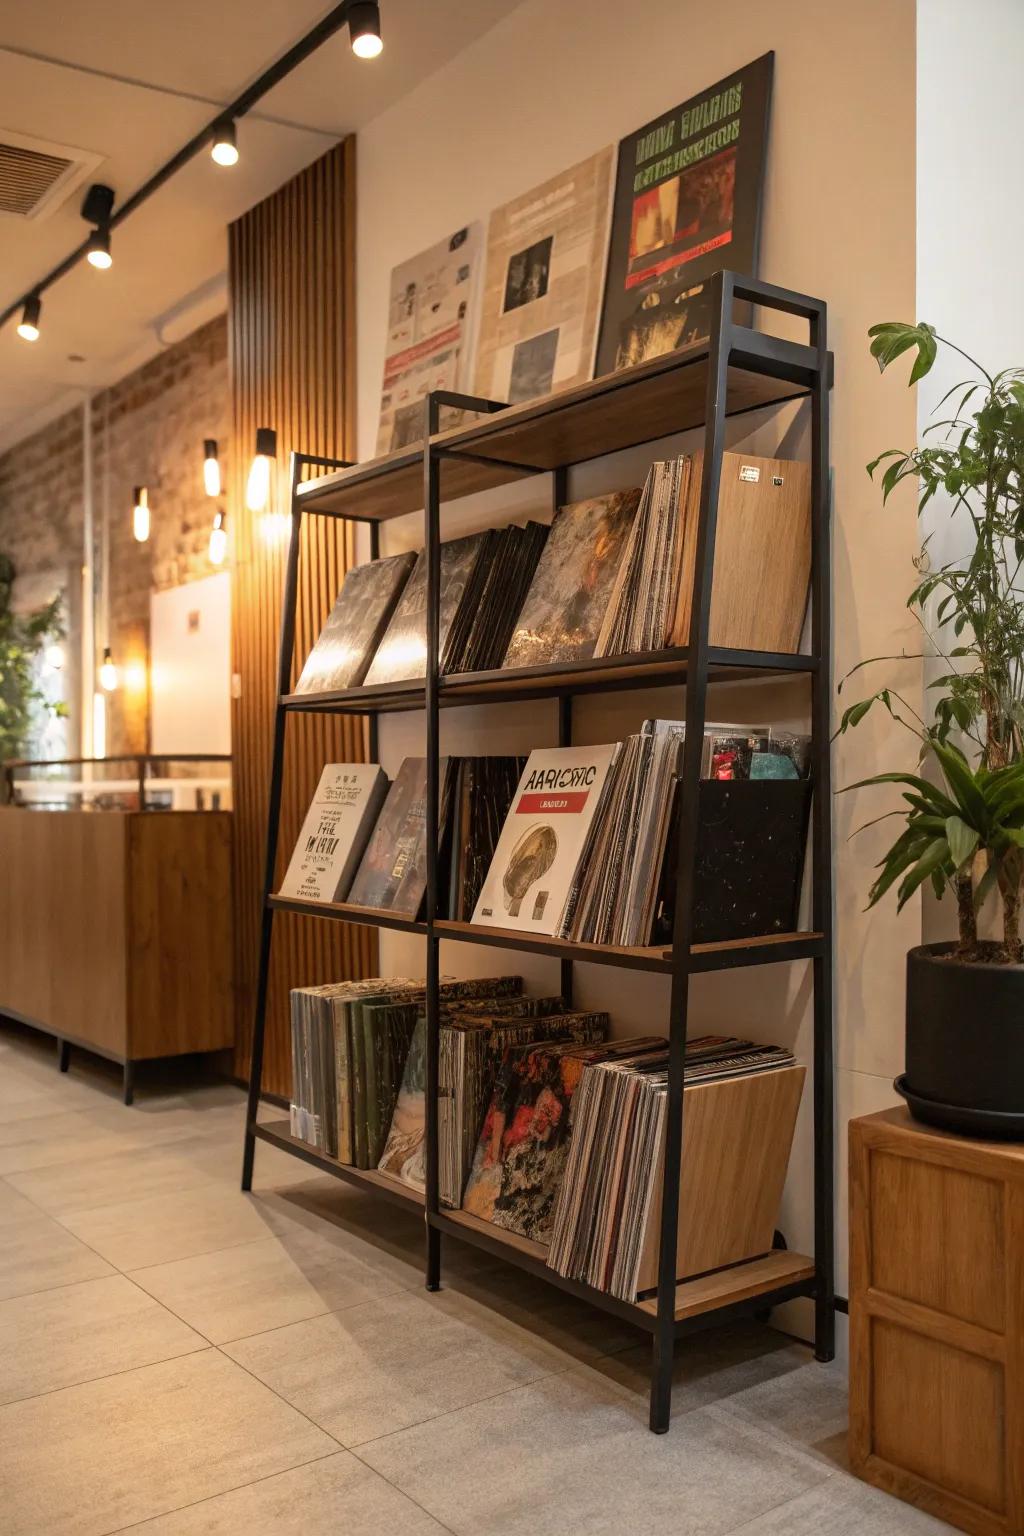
(432, 545)
(284, 674)
(63, 1055)
(821, 721)
(128, 1083)
(565, 967)
(682, 928)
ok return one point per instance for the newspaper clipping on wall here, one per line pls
(429, 313)
(542, 289)
(687, 204)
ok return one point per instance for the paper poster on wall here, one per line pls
(429, 312)
(688, 195)
(542, 288)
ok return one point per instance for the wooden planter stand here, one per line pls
(937, 1320)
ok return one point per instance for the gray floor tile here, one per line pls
(376, 1368)
(257, 1286)
(46, 1140)
(807, 1406)
(844, 1506)
(37, 1253)
(130, 1175)
(136, 1233)
(338, 1494)
(92, 1459)
(714, 1367)
(578, 1444)
(81, 1332)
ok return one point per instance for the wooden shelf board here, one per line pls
(619, 410)
(277, 1134)
(343, 911)
(766, 949)
(740, 1282)
(652, 669)
(487, 1229)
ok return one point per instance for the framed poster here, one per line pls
(429, 314)
(688, 194)
(542, 288)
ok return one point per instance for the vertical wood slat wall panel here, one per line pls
(292, 350)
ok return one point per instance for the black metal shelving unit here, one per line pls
(737, 370)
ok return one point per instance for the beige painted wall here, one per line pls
(549, 85)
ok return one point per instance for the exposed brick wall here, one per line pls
(146, 430)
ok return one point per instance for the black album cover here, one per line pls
(403, 651)
(360, 615)
(688, 194)
(393, 872)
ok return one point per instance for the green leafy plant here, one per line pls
(966, 831)
(22, 640)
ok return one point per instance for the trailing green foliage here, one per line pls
(972, 612)
(22, 638)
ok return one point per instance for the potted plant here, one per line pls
(23, 637)
(963, 812)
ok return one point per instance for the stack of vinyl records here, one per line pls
(472, 1046)
(404, 1152)
(345, 1069)
(642, 606)
(604, 1229)
(361, 613)
(481, 793)
(519, 1159)
(625, 874)
(484, 577)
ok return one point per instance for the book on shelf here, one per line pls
(520, 1154)
(561, 618)
(606, 1223)
(335, 832)
(762, 562)
(355, 625)
(545, 838)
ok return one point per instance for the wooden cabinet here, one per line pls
(937, 1320)
(115, 929)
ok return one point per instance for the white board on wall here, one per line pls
(190, 666)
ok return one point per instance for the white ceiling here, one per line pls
(131, 81)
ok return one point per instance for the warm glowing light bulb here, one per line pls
(28, 326)
(367, 47)
(108, 672)
(140, 514)
(257, 487)
(257, 490)
(218, 540)
(364, 29)
(98, 253)
(225, 144)
(211, 467)
(54, 656)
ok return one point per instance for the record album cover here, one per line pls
(393, 871)
(688, 194)
(357, 621)
(568, 597)
(403, 651)
(335, 832)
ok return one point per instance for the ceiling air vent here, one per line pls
(35, 177)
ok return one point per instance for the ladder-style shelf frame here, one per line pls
(736, 371)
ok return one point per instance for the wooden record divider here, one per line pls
(736, 371)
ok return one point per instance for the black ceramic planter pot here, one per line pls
(965, 1044)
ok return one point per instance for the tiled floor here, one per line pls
(177, 1358)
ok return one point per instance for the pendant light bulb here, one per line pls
(218, 540)
(225, 143)
(108, 671)
(211, 467)
(54, 656)
(98, 253)
(28, 328)
(364, 29)
(140, 514)
(257, 490)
